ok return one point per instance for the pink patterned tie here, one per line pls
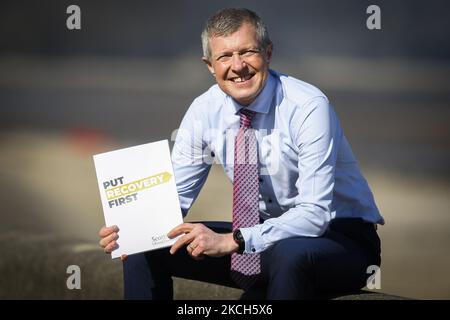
(245, 267)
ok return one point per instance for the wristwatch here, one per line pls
(239, 239)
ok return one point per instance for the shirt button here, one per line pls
(261, 180)
(253, 249)
(213, 154)
(269, 200)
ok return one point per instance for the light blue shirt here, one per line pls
(309, 174)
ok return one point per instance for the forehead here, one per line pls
(244, 37)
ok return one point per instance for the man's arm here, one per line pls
(315, 131)
(191, 164)
(191, 167)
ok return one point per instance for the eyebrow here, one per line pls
(230, 52)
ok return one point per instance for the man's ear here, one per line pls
(209, 65)
(269, 50)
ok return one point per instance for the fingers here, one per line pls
(193, 238)
(195, 251)
(123, 257)
(108, 237)
(191, 246)
(187, 238)
(106, 241)
(180, 229)
(110, 247)
(105, 231)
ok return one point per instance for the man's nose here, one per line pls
(237, 63)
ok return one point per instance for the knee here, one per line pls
(291, 256)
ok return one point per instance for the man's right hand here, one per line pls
(108, 237)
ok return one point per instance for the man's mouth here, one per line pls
(241, 79)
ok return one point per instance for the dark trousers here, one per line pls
(294, 268)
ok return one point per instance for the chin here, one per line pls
(244, 100)
(248, 96)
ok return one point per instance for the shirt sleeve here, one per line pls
(316, 133)
(191, 163)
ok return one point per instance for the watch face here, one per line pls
(240, 237)
(237, 236)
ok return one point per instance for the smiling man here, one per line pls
(303, 215)
(240, 63)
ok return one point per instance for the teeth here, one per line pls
(242, 79)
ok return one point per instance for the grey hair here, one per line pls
(228, 21)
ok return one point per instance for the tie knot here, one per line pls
(246, 118)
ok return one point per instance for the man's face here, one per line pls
(238, 63)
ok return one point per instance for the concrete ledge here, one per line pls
(33, 266)
(369, 295)
(195, 290)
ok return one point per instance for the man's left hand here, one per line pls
(200, 240)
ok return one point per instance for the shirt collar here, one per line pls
(263, 101)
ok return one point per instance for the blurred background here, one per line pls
(128, 76)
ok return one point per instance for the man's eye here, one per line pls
(249, 53)
(224, 57)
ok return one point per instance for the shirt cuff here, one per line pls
(253, 240)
